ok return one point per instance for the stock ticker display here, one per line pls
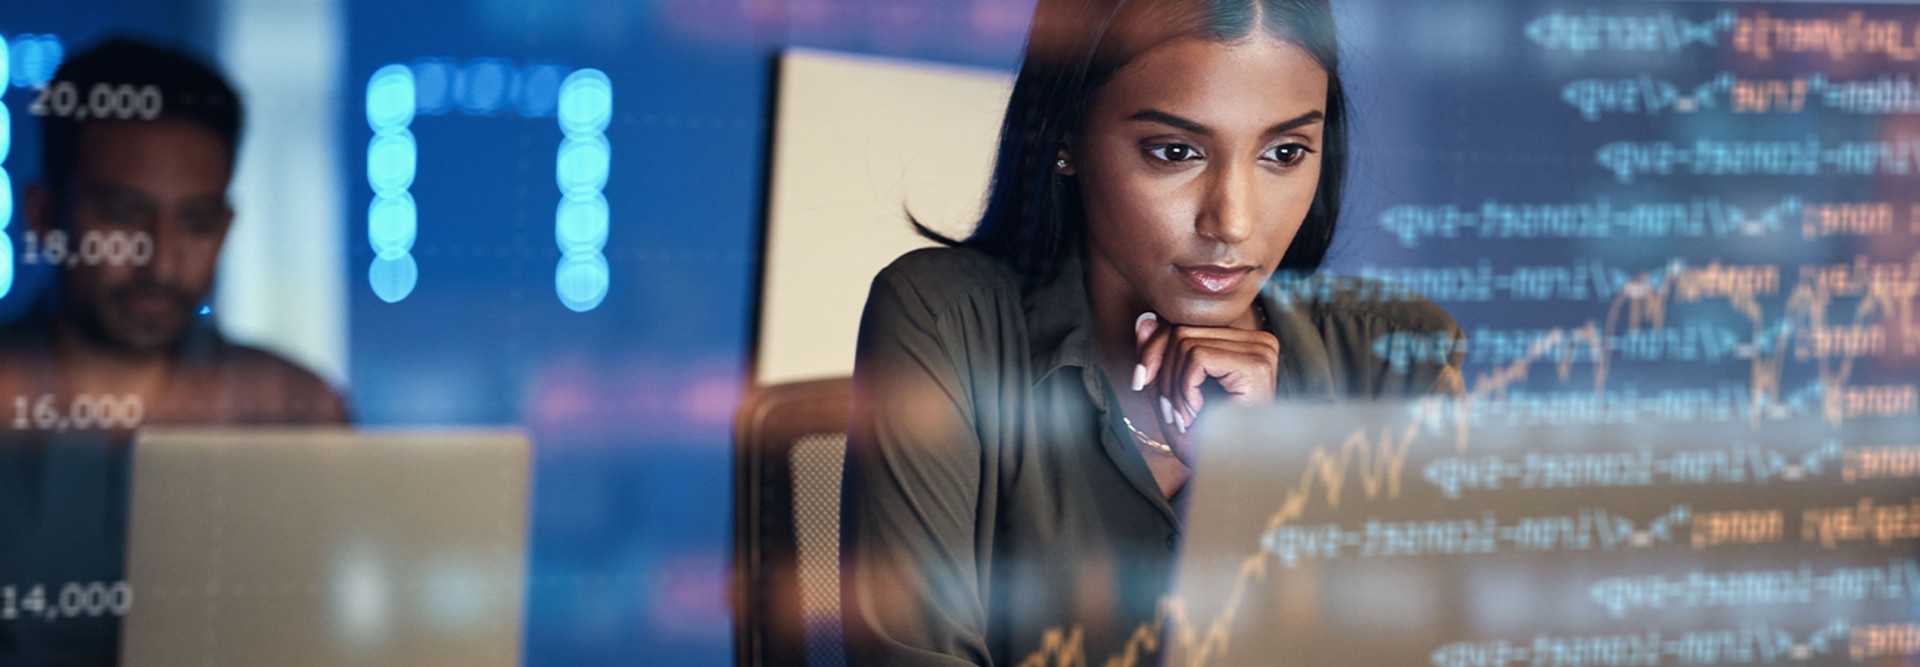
(1659, 209)
(1450, 536)
(1682, 241)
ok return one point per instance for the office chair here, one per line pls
(790, 442)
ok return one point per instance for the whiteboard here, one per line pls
(857, 141)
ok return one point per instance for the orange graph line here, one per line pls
(1644, 304)
(1379, 470)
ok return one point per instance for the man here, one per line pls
(125, 322)
(139, 207)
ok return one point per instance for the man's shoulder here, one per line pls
(243, 358)
(255, 370)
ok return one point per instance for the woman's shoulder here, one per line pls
(940, 277)
(1382, 339)
(1329, 297)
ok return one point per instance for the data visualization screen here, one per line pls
(518, 251)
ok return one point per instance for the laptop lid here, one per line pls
(1456, 536)
(326, 547)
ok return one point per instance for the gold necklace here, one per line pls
(1143, 437)
(1258, 312)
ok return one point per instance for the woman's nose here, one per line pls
(1228, 215)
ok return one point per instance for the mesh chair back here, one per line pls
(789, 446)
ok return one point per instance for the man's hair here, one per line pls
(190, 91)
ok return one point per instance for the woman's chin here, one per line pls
(1215, 312)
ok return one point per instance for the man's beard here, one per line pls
(113, 323)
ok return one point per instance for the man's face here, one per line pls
(165, 180)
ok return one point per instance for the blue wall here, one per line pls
(629, 403)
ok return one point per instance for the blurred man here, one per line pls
(132, 214)
(152, 195)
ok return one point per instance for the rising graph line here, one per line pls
(1378, 467)
(1644, 302)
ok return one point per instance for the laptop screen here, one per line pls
(1456, 535)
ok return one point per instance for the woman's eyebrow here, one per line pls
(1164, 118)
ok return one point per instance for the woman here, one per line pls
(1024, 399)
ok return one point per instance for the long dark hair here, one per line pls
(1033, 214)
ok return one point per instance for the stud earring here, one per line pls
(1060, 164)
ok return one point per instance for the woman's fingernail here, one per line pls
(1180, 420)
(1139, 377)
(1166, 411)
(1141, 321)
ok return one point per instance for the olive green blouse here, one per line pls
(995, 509)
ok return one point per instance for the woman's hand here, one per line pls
(1176, 360)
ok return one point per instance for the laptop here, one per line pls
(1460, 536)
(279, 546)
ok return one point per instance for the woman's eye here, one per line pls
(1290, 154)
(1173, 152)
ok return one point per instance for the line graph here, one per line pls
(1377, 465)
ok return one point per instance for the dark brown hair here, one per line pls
(1033, 214)
(190, 91)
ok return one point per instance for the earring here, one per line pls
(1060, 164)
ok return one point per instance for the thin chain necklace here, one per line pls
(1259, 312)
(1142, 437)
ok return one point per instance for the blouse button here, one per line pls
(1173, 542)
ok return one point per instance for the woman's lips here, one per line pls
(1215, 279)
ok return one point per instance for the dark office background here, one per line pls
(630, 403)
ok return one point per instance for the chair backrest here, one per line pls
(789, 445)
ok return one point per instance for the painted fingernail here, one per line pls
(1141, 321)
(1180, 420)
(1166, 411)
(1139, 377)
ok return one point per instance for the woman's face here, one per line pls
(1197, 163)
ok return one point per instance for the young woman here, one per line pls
(1024, 399)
